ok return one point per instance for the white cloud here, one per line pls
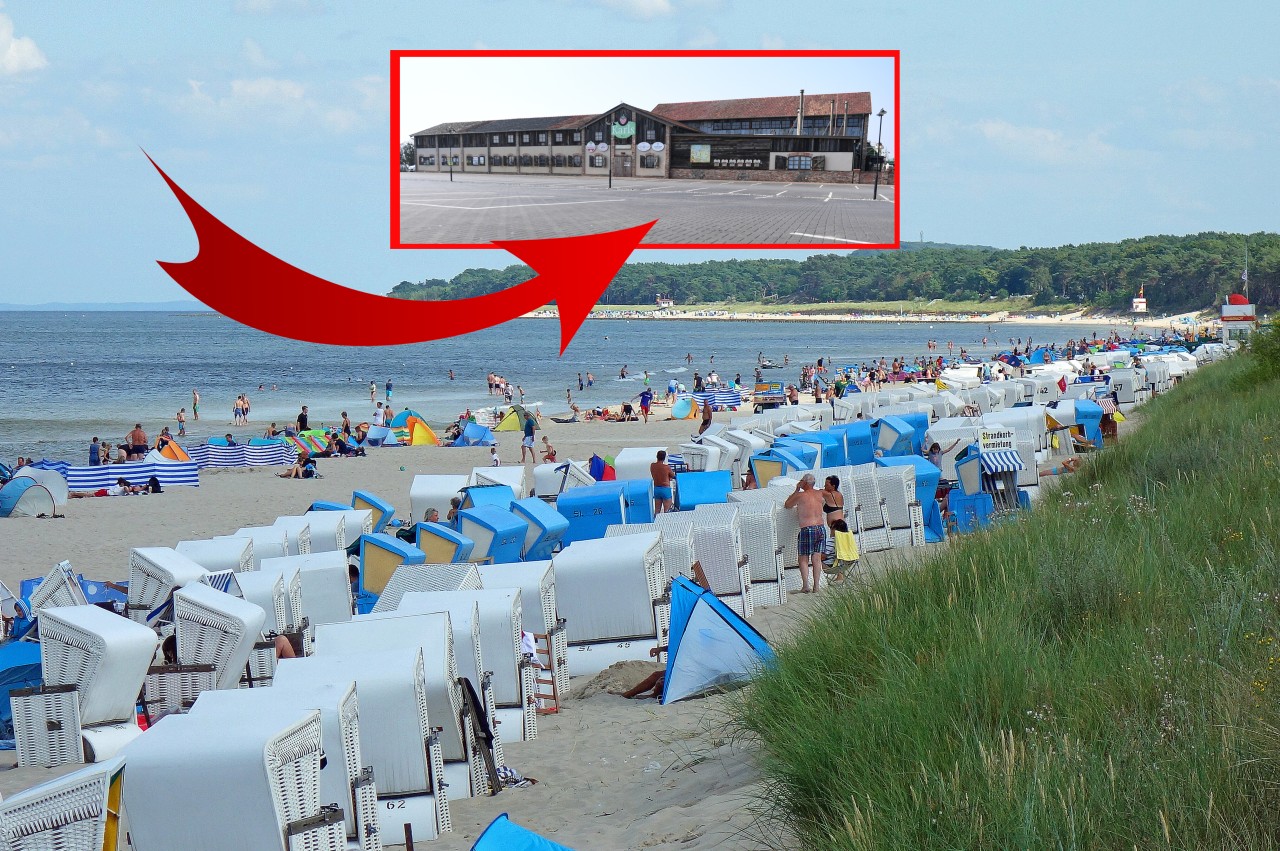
(1044, 145)
(18, 54)
(255, 57)
(266, 91)
(270, 7)
(644, 9)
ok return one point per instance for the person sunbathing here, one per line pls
(303, 468)
(652, 684)
(1069, 465)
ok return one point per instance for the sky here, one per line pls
(1022, 124)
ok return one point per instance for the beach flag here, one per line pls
(940, 384)
(1062, 383)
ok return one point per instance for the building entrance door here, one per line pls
(623, 165)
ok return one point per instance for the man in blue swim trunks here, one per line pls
(662, 478)
(807, 501)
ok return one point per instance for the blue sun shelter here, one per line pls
(859, 446)
(498, 534)
(380, 555)
(591, 510)
(927, 478)
(503, 834)
(547, 528)
(500, 496)
(710, 647)
(830, 445)
(443, 544)
(475, 435)
(805, 453)
(382, 510)
(893, 436)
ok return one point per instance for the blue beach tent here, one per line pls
(474, 434)
(503, 834)
(710, 646)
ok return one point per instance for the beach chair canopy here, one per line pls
(710, 646)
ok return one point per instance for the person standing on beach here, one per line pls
(346, 424)
(195, 404)
(388, 391)
(137, 442)
(95, 453)
(660, 470)
(707, 413)
(373, 390)
(646, 401)
(807, 502)
(526, 445)
(591, 379)
(379, 415)
(182, 422)
(302, 422)
(580, 388)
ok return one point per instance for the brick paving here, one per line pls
(479, 208)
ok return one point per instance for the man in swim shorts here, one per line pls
(526, 445)
(807, 501)
(137, 441)
(662, 477)
(195, 404)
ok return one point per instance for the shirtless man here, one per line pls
(662, 477)
(195, 404)
(137, 442)
(807, 501)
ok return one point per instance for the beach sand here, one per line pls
(614, 773)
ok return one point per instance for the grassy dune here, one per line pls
(1100, 673)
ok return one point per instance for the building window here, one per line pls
(510, 160)
(799, 163)
(426, 160)
(475, 160)
(559, 138)
(511, 138)
(542, 138)
(526, 160)
(575, 161)
(650, 135)
(542, 160)
(650, 162)
(599, 135)
(497, 140)
(524, 138)
(559, 160)
(577, 136)
(453, 160)
(597, 161)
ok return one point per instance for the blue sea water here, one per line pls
(68, 376)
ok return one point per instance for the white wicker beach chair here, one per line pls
(268, 542)
(174, 688)
(432, 635)
(461, 576)
(267, 591)
(328, 530)
(359, 521)
(229, 553)
(154, 574)
(325, 585)
(344, 778)
(536, 581)
(76, 812)
(552, 479)
(60, 587)
(298, 530)
(759, 524)
(499, 619)
(46, 725)
(396, 736)
(787, 524)
(103, 655)
(295, 621)
(700, 456)
(747, 444)
(513, 476)
(433, 491)
(868, 510)
(264, 766)
(606, 587)
(717, 542)
(216, 629)
(633, 461)
(906, 519)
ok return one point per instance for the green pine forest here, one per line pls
(1180, 273)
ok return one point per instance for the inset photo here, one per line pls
(722, 150)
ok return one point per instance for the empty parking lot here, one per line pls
(480, 208)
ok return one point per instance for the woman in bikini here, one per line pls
(832, 500)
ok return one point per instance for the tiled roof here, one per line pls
(775, 107)
(506, 125)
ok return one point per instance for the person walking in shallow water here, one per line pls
(195, 404)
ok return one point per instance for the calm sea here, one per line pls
(66, 377)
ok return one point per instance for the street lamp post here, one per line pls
(875, 193)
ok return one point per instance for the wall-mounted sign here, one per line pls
(699, 153)
(602, 148)
(658, 146)
(623, 128)
(643, 147)
(991, 440)
(591, 147)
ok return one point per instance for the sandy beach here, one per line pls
(614, 773)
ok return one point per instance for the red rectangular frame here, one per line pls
(896, 55)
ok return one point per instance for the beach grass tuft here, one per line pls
(1099, 673)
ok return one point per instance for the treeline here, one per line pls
(1179, 273)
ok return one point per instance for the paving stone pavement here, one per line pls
(480, 208)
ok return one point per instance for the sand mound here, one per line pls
(619, 676)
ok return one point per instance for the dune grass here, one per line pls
(1100, 673)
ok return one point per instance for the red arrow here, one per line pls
(238, 279)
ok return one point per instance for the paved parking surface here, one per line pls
(479, 208)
